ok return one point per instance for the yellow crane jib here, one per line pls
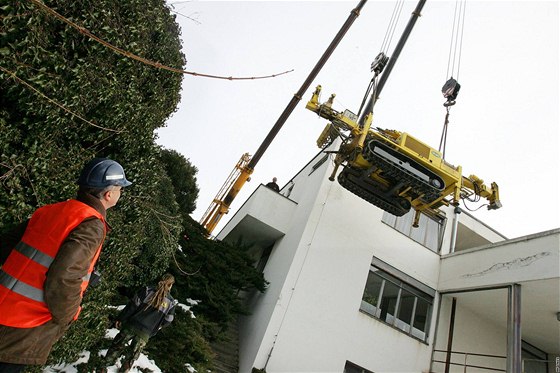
(240, 174)
(392, 169)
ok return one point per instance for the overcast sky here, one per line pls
(504, 127)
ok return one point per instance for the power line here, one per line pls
(125, 53)
(23, 82)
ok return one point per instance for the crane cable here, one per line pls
(381, 60)
(451, 88)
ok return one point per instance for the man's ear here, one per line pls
(106, 196)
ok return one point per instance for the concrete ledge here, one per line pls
(528, 258)
(263, 218)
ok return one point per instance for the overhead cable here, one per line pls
(23, 82)
(125, 53)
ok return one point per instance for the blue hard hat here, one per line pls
(101, 173)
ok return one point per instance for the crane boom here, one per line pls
(220, 206)
(394, 57)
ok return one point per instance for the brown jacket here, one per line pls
(62, 291)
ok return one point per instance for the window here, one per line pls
(264, 258)
(396, 302)
(353, 368)
(428, 233)
(534, 359)
(319, 163)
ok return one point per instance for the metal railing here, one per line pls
(466, 364)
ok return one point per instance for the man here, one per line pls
(272, 185)
(149, 310)
(46, 273)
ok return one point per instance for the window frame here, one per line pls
(440, 221)
(403, 282)
(352, 365)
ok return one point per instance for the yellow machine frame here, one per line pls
(350, 154)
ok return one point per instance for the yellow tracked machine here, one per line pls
(392, 169)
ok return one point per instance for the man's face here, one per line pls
(112, 196)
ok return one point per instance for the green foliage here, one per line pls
(210, 272)
(183, 173)
(215, 266)
(52, 76)
(43, 146)
(181, 343)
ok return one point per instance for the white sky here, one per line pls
(504, 127)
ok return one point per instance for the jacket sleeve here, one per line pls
(70, 266)
(133, 305)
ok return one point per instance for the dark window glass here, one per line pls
(373, 289)
(420, 324)
(353, 368)
(406, 308)
(389, 301)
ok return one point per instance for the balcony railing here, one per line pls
(469, 361)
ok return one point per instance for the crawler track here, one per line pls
(361, 184)
(366, 189)
(396, 173)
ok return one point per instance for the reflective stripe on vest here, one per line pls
(23, 275)
(34, 254)
(21, 287)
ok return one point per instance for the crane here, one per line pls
(245, 167)
(391, 169)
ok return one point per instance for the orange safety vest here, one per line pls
(23, 275)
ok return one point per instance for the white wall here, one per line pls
(309, 319)
(321, 326)
(258, 332)
(467, 228)
(502, 263)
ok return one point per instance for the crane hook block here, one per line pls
(379, 63)
(450, 91)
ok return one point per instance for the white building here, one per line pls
(353, 289)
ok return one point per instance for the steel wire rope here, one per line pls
(461, 40)
(387, 39)
(390, 32)
(146, 61)
(453, 61)
(456, 43)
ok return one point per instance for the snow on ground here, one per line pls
(186, 308)
(143, 361)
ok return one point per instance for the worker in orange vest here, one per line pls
(47, 269)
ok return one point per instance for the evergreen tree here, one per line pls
(64, 99)
(210, 272)
(183, 173)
